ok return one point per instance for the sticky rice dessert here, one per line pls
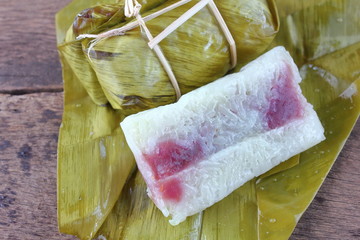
(195, 152)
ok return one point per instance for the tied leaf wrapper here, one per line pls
(99, 194)
(125, 72)
(94, 161)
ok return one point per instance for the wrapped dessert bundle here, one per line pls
(195, 152)
(125, 72)
(101, 195)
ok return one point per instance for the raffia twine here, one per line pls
(132, 9)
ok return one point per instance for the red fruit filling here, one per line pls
(170, 157)
(285, 104)
(171, 190)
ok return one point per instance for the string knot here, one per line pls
(132, 8)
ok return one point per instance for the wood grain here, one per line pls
(28, 56)
(28, 139)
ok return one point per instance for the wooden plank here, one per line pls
(28, 56)
(28, 141)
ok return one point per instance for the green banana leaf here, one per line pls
(91, 172)
(101, 195)
(125, 72)
(88, 186)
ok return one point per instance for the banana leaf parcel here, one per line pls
(101, 194)
(125, 72)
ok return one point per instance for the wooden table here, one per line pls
(30, 115)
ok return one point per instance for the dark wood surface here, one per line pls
(30, 116)
(28, 56)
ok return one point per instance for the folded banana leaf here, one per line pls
(125, 72)
(92, 167)
(94, 162)
(92, 20)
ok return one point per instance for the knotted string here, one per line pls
(132, 9)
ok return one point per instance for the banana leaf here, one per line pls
(92, 20)
(125, 72)
(322, 36)
(89, 182)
